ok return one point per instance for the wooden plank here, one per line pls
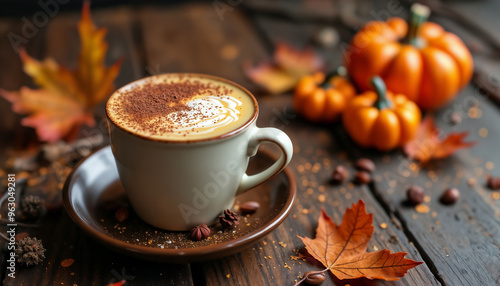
(12, 77)
(316, 148)
(321, 144)
(12, 134)
(446, 235)
(296, 10)
(94, 264)
(462, 241)
(477, 209)
(313, 162)
(192, 38)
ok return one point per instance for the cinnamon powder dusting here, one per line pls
(144, 108)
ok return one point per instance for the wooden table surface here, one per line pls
(460, 244)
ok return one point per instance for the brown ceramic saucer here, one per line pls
(93, 194)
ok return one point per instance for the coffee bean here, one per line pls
(494, 183)
(415, 195)
(339, 175)
(121, 214)
(450, 196)
(362, 177)
(249, 207)
(455, 118)
(314, 277)
(365, 164)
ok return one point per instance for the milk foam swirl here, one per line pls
(206, 114)
(181, 107)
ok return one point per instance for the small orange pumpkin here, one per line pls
(380, 119)
(322, 101)
(422, 61)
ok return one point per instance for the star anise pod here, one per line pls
(229, 219)
(29, 251)
(32, 207)
(200, 232)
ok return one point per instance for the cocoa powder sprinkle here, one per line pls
(142, 108)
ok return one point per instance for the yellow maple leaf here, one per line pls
(65, 99)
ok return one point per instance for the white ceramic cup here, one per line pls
(176, 185)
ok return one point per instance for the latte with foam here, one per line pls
(180, 107)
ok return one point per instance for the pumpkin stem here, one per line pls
(340, 71)
(382, 102)
(418, 15)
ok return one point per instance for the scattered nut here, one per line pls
(365, 164)
(249, 207)
(121, 214)
(450, 196)
(455, 118)
(415, 195)
(362, 177)
(314, 277)
(339, 175)
(494, 183)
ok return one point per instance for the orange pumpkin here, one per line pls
(380, 119)
(322, 101)
(422, 61)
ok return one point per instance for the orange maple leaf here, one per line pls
(426, 145)
(342, 249)
(288, 66)
(66, 97)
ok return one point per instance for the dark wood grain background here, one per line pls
(460, 244)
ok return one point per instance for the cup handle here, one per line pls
(259, 136)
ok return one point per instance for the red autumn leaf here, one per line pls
(288, 66)
(426, 145)
(342, 248)
(65, 99)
